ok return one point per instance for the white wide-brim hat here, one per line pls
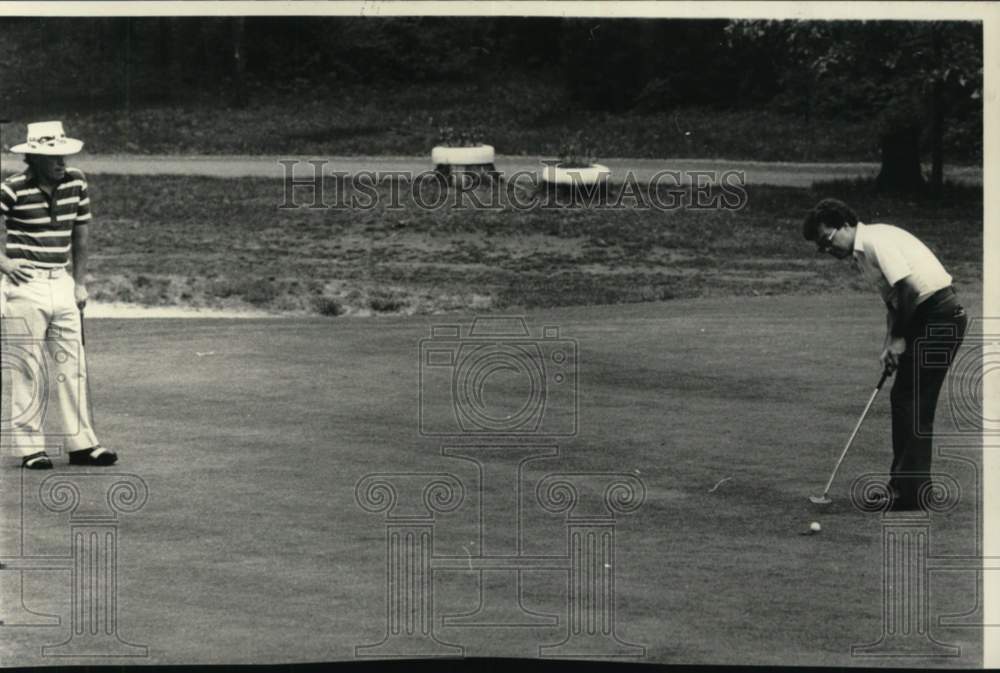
(48, 138)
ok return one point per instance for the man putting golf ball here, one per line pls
(47, 212)
(920, 304)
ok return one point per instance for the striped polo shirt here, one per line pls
(40, 229)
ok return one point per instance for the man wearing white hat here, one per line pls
(47, 212)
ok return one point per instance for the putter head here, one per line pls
(820, 499)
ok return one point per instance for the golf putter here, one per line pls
(824, 499)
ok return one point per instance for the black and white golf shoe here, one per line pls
(37, 461)
(96, 456)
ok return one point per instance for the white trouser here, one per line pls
(43, 355)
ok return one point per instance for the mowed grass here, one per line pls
(253, 434)
(172, 240)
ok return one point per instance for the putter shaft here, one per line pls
(850, 440)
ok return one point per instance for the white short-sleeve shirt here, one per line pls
(886, 254)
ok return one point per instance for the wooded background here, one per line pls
(919, 84)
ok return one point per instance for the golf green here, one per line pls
(721, 417)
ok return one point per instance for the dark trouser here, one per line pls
(939, 323)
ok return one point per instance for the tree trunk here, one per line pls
(937, 119)
(204, 38)
(937, 138)
(171, 54)
(900, 172)
(121, 40)
(164, 44)
(239, 63)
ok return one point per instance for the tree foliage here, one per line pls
(871, 64)
(899, 75)
(906, 76)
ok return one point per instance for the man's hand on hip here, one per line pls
(890, 354)
(81, 295)
(18, 270)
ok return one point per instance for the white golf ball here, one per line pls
(815, 527)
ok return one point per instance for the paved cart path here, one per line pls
(756, 172)
(783, 174)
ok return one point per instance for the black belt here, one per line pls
(942, 300)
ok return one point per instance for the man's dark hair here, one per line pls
(834, 213)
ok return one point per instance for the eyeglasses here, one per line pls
(825, 243)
